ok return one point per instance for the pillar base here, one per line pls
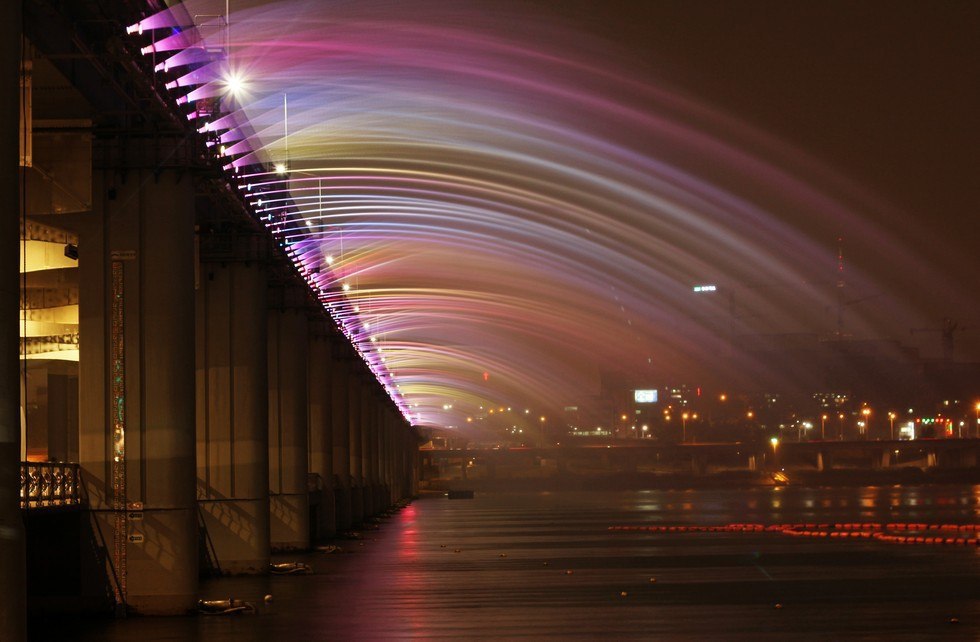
(289, 517)
(239, 533)
(326, 517)
(342, 508)
(370, 510)
(356, 506)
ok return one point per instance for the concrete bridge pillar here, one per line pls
(289, 498)
(699, 465)
(932, 460)
(412, 457)
(368, 483)
(387, 461)
(751, 464)
(233, 413)
(356, 431)
(136, 375)
(377, 447)
(823, 460)
(339, 411)
(381, 501)
(883, 459)
(395, 454)
(13, 574)
(321, 372)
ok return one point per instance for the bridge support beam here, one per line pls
(233, 413)
(381, 501)
(136, 365)
(339, 410)
(356, 447)
(13, 576)
(823, 460)
(882, 459)
(289, 497)
(699, 465)
(387, 453)
(321, 373)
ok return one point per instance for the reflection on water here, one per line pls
(545, 566)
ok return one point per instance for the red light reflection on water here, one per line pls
(408, 543)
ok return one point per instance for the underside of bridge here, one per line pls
(170, 375)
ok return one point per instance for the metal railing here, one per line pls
(48, 484)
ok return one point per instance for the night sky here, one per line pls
(504, 201)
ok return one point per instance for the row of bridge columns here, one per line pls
(216, 403)
(229, 392)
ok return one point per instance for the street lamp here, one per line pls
(684, 418)
(867, 421)
(977, 408)
(891, 425)
(840, 433)
(823, 422)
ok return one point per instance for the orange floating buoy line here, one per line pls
(895, 533)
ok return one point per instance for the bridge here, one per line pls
(186, 384)
(691, 461)
(251, 250)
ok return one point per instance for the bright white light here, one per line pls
(234, 83)
(330, 259)
(280, 168)
(346, 288)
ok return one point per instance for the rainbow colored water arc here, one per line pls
(469, 199)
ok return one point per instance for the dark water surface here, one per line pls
(545, 566)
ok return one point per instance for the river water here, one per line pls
(547, 566)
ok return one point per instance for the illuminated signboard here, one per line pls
(645, 396)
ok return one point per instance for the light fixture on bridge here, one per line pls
(234, 84)
(281, 169)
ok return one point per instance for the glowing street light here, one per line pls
(684, 417)
(840, 432)
(823, 422)
(891, 424)
(867, 421)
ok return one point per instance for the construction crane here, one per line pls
(947, 333)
